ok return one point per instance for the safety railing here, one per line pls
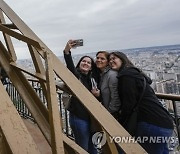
(25, 113)
(175, 100)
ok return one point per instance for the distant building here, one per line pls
(169, 76)
(168, 87)
(178, 77)
(151, 74)
(159, 76)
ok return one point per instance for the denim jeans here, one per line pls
(153, 133)
(82, 133)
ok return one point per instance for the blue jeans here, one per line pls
(153, 132)
(82, 133)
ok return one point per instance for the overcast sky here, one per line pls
(103, 24)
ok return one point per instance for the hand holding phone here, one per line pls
(93, 84)
(77, 43)
(73, 44)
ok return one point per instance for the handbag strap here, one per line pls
(142, 94)
(139, 101)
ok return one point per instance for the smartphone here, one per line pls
(93, 84)
(78, 42)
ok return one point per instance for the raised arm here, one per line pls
(68, 57)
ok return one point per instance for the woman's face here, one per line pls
(115, 62)
(101, 61)
(85, 65)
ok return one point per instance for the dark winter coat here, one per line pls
(76, 106)
(130, 88)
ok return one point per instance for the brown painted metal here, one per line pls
(168, 96)
(19, 36)
(71, 147)
(36, 75)
(48, 119)
(38, 67)
(54, 118)
(27, 93)
(10, 26)
(4, 148)
(8, 40)
(13, 129)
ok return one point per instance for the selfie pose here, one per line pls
(137, 96)
(79, 116)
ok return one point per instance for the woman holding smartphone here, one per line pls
(79, 116)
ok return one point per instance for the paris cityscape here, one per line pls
(161, 64)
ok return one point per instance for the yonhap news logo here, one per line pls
(143, 139)
(99, 139)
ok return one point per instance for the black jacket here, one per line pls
(76, 106)
(130, 88)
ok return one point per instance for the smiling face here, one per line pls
(115, 62)
(101, 61)
(85, 65)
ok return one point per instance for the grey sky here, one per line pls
(103, 24)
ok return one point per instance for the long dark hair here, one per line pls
(94, 72)
(93, 66)
(125, 61)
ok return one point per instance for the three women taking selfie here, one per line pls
(120, 87)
